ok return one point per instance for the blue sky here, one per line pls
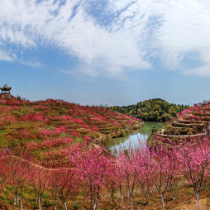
(114, 52)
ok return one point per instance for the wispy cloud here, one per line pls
(4, 56)
(111, 37)
(12, 57)
(31, 63)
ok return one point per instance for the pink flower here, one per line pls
(87, 138)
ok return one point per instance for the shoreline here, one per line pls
(117, 134)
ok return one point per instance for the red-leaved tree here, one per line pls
(194, 158)
(93, 166)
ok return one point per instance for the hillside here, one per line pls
(152, 110)
(48, 129)
(50, 159)
(193, 120)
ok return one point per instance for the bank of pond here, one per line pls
(132, 138)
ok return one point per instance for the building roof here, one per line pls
(5, 87)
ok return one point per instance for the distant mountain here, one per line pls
(155, 109)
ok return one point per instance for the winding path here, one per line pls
(38, 166)
(183, 136)
(42, 167)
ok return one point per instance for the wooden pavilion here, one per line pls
(5, 92)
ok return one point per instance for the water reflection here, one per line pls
(123, 142)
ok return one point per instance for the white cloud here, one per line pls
(4, 56)
(31, 63)
(167, 29)
(12, 57)
(185, 29)
(203, 71)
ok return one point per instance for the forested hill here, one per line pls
(152, 110)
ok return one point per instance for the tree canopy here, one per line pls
(152, 110)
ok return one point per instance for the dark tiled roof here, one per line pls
(5, 87)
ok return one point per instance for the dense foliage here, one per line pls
(152, 110)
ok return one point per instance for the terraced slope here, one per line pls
(50, 129)
(194, 120)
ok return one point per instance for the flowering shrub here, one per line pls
(77, 121)
(65, 117)
(94, 128)
(59, 130)
(39, 107)
(4, 109)
(74, 133)
(49, 143)
(87, 138)
(2, 101)
(130, 122)
(8, 119)
(56, 142)
(32, 146)
(45, 132)
(15, 107)
(32, 117)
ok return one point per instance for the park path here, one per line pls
(183, 136)
(42, 167)
(37, 165)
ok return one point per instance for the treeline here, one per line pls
(152, 110)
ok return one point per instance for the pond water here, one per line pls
(114, 144)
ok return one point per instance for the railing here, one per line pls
(182, 136)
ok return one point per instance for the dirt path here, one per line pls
(37, 165)
(42, 167)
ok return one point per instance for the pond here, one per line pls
(114, 144)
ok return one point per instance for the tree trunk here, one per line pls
(128, 193)
(111, 196)
(122, 201)
(172, 189)
(86, 198)
(162, 200)
(55, 204)
(98, 204)
(21, 205)
(15, 200)
(131, 202)
(198, 200)
(18, 199)
(94, 205)
(40, 206)
(148, 197)
(15, 197)
(65, 206)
